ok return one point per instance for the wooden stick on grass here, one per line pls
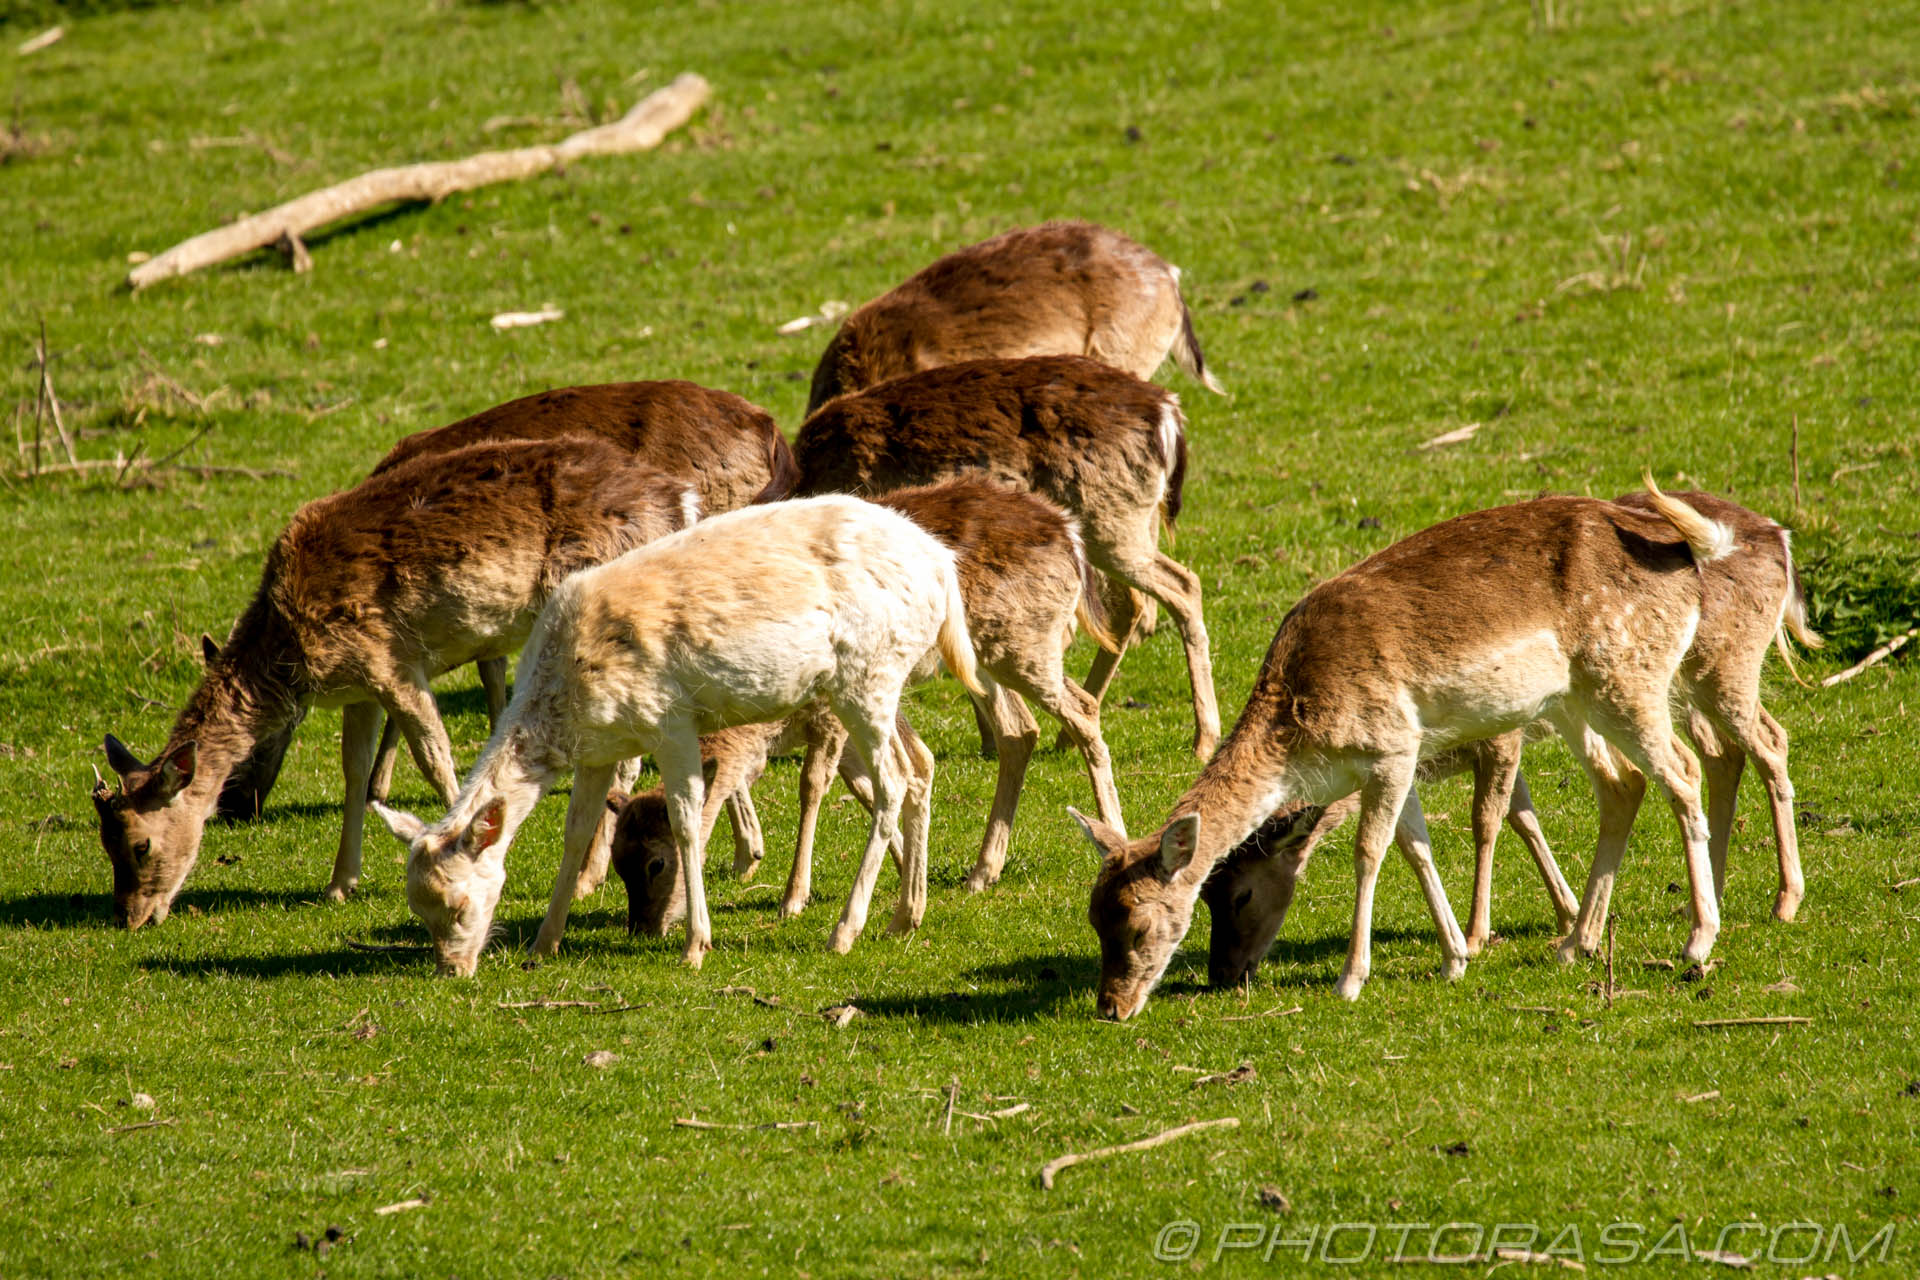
(1881, 654)
(641, 129)
(1067, 1161)
(690, 1123)
(1755, 1022)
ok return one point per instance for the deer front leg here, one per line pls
(749, 843)
(1526, 824)
(584, 812)
(678, 756)
(493, 682)
(1381, 801)
(1496, 763)
(359, 730)
(410, 701)
(1411, 835)
(381, 785)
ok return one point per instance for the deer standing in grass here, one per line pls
(1109, 449)
(1025, 580)
(365, 597)
(1750, 600)
(728, 448)
(1570, 608)
(743, 618)
(1062, 288)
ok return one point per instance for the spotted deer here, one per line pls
(1025, 581)
(365, 597)
(1062, 288)
(743, 618)
(1106, 447)
(1578, 610)
(1751, 600)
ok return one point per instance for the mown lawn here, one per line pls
(1652, 234)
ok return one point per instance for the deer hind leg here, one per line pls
(1410, 833)
(493, 680)
(1526, 824)
(1641, 731)
(1722, 763)
(1018, 732)
(915, 762)
(749, 842)
(1079, 715)
(1618, 789)
(411, 703)
(359, 731)
(380, 784)
(870, 732)
(1767, 744)
(1178, 588)
(1125, 610)
(826, 743)
(1381, 800)
(585, 812)
(1496, 764)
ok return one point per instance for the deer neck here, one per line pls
(1238, 790)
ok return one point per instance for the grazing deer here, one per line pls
(1108, 448)
(365, 597)
(1570, 608)
(1061, 289)
(1750, 599)
(728, 448)
(1025, 580)
(741, 619)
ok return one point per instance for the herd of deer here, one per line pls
(983, 469)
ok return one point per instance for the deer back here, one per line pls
(730, 449)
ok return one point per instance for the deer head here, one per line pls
(645, 860)
(1142, 904)
(451, 884)
(151, 835)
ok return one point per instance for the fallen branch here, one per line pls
(1275, 1012)
(690, 1123)
(1058, 1163)
(1756, 1022)
(401, 1206)
(144, 1124)
(547, 1004)
(1879, 655)
(390, 948)
(46, 39)
(52, 402)
(641, 129)
(1001, 1114)
(1497, 1255)
(953, 1092)
(1240, 1073)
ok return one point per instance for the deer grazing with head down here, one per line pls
(1025, 580)
(743, 618)
(1059, 289)
(1570, 608)
(1750, 600)
(366, 596)
(1104, 446)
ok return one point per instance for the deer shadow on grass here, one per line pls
(92, 910)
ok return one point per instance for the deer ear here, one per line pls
(616, 802)
(1178, 842)
(119, 759)
(177, 768)
(1099, 834)
(486, 827)
(403, 825)
(209, 649)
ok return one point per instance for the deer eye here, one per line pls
(657, 867)
(1241, 899)
(141, 848)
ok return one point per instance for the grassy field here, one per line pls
(1655, 234)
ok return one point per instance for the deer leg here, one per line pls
(1496, 763)
(1125, 607)
(1722, 763)
(826, 742)
(1178, 588)
(593, 873)
(359, 730)
(584, 812)
(1017, 731)
(1526, 824)
(749, 843)
(870, 732)
(411, 703)
(1079, 716)
(915, 763)
(1767, 744)
(1618, 789)
(1411, 835)
(678, 755)
(989, 744)
(1381, 800)
(380, 784)
(493, 681)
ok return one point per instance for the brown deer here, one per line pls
(365, 597)
(728, 448)
(1105, 446)
(1751, 600)
(1570, 608)
(1063, 288)
(741, 619)
(1025, 580)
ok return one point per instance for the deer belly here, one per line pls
(1502, 688)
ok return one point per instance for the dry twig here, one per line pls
(1054, 1166)
(1879, 655)
(1755, 1022)
(691, 1123)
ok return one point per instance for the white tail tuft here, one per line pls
(1709, 540)
(956, 644)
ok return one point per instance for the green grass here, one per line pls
(1658, 234)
